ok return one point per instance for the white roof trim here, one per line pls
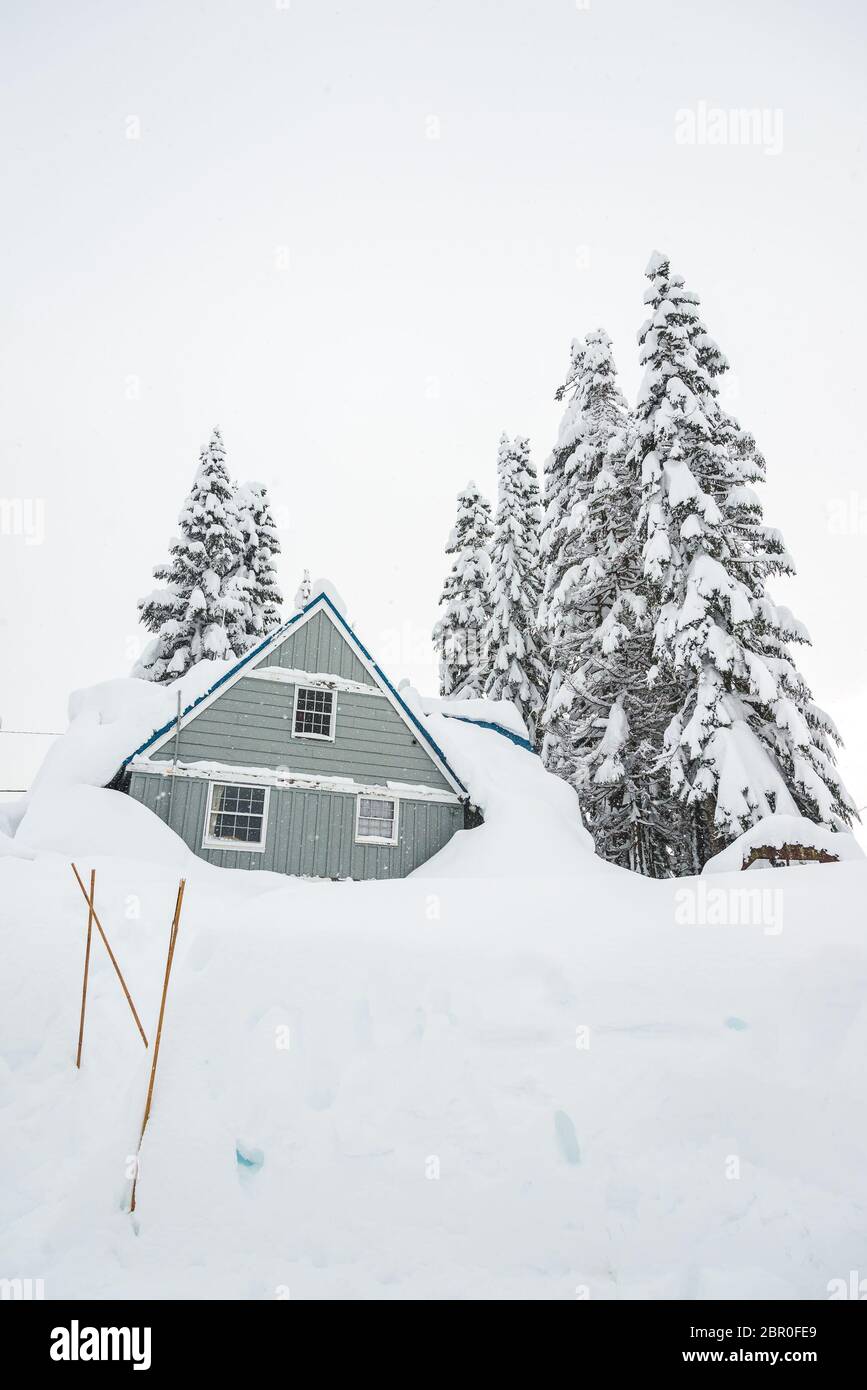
(277, 777)
(320, 605)
(284, 675)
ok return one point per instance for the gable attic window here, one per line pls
(376, 820)
(236, 817)
(313, 716)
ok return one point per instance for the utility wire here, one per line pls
(42, 733)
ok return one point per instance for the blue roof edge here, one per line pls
(497, 728)
(254, 651)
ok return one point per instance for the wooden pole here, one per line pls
(175, 760)
(86, 966)
(111, 958)
(173, 936)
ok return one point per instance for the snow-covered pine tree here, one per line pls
(602, 726)
(581, 541)
(459, 634)
(557, 492)
(517, 669)
(195, 613)
(746, 739)
(262, 596)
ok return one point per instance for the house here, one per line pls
(303, 759)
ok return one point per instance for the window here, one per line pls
(236, 817)
(376, 820)
(314, 713)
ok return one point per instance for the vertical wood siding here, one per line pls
(250, 725)
(318, 646)
(309, 833)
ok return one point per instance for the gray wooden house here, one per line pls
(303, 759)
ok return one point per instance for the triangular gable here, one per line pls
(321, 604)
(319, 647)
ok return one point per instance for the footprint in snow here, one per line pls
(567, 1139)
(248, 1158)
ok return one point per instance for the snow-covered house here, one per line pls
(303, 758)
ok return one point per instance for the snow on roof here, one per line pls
(501, 715)
(783, 830)
(107, 720)
(324, 588)
(532, 820)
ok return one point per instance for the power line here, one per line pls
(41, 733)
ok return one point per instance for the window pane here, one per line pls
(314, 711)
(237, 814)
(375, 818)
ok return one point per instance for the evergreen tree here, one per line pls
(459, 634)
(746, 739)
(259, 586)
(517, 669)
(558, 496)
(587, 518)
(196, 614)
(602, 725)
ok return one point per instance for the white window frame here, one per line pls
(243, 846)
(319, 738)
(376, 839)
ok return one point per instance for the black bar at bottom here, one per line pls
(236, 1338)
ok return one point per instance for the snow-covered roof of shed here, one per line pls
(779, 830)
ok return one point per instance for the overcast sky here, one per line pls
(360, 238)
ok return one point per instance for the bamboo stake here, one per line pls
(117, 969)
(86, 966)
(173, 936)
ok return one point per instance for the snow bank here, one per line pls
(11, 815)
(76, 821)
(108, 721)
(502, 1089)
(9, 846)
(532, 818)
(783, 830)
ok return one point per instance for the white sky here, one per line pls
(432, 290)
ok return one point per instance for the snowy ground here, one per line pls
(519, 1074)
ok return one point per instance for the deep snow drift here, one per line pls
(520, 1073)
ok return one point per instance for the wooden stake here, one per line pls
(111, 957)
(86, 966)
(173, 936)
